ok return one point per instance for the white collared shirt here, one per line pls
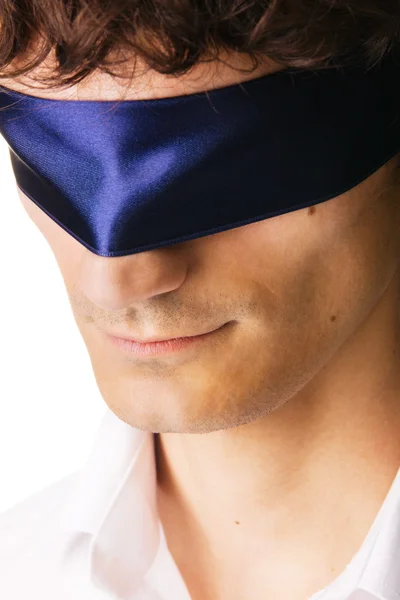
(96, 535)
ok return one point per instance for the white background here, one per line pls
(50, 406)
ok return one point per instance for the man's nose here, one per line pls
(114, 283)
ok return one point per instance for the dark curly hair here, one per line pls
(172, 36)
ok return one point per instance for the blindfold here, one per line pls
(123, 177)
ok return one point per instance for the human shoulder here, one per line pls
(39, 559)
(21, 524)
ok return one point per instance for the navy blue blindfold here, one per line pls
(123, 177)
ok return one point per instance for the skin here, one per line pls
(288, 421)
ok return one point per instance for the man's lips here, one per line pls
(157, 346)
(162, 338)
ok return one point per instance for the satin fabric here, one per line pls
(123, 177)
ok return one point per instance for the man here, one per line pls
(274, 469)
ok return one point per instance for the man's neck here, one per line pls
(291, 552)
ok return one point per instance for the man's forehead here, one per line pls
(146, 83)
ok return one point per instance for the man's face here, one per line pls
(294, 289)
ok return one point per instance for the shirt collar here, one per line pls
(114, 499)
(381, 576)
